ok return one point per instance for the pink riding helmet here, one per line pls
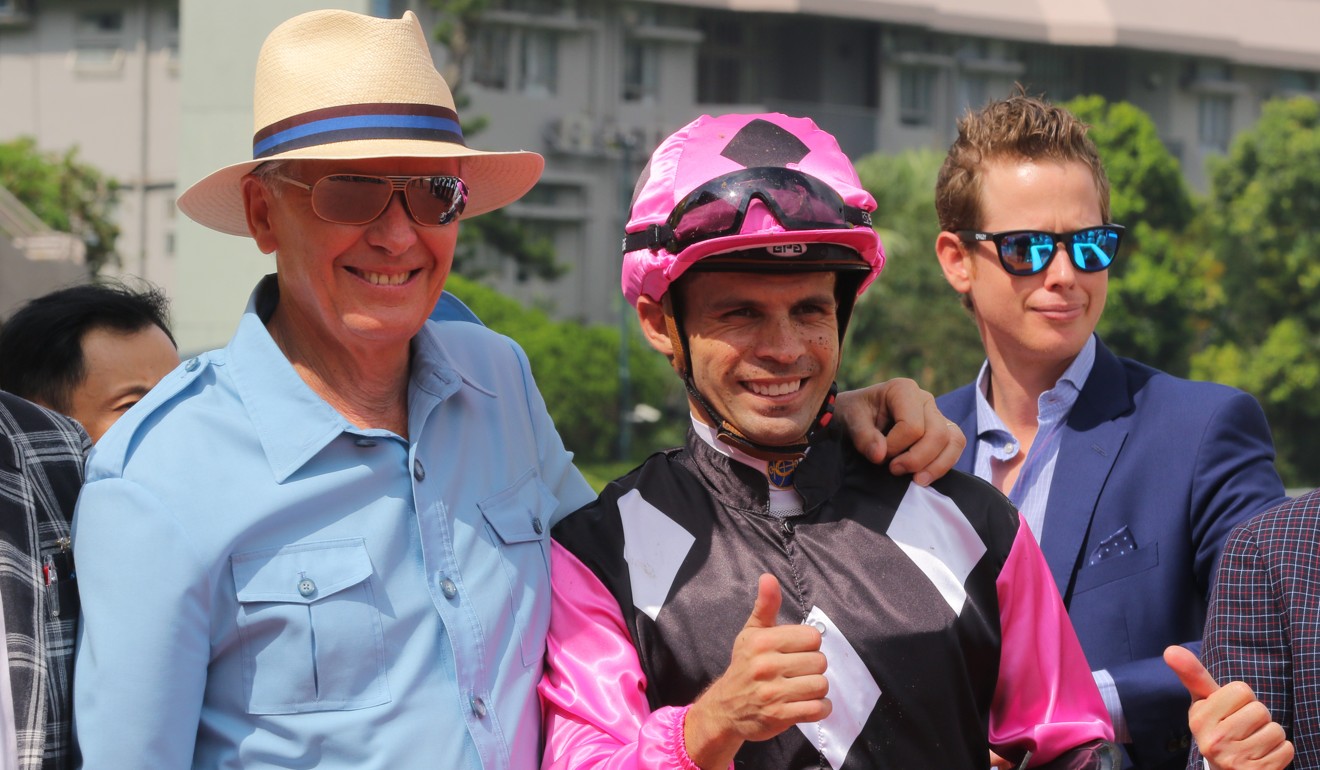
(709, 148)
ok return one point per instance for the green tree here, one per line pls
(65, 193)
(576, 369)
(910, 323)
(532, 253)
(1265, 337)
(1162, 283)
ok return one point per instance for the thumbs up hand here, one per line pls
(775, 679)
(1233, 730)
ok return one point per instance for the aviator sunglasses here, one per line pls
(356, 199)
(717, 208)
(1027, 252)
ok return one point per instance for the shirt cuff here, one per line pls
(1109, 694)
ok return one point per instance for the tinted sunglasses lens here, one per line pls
(1027, 252)
(436, 200)
(800, 202)
(1094, 249)
(717, 209)
(350, 199)
(708, 215)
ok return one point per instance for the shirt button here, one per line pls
(536, 525)
(306, 587)
(365, 442)
(478, 707)
(419, 472)
(192, 365)
(449, 588)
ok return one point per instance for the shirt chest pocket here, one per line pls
(518, 524)
(310, 630)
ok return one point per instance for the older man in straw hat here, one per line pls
(326, 544)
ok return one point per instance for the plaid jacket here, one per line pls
(1264, 625)
(41, 471)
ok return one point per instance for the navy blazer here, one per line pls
(1178, 464)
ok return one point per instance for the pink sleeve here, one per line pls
(593, 693)
(1046, 700)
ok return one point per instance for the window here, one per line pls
(974, 90)
(172, 39)
(1052, 71)
(499, 51)
(726, 68)
(539, 65)
(915, 86)
(490, 57)
(641, 67)
(542, 7)
(100, 23)
(1293, 83)
(98, 45)
(1214, 121)
(556, 194)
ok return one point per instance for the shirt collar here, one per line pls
(292, 422)
(1058, 400)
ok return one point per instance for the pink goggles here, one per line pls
(717, 208)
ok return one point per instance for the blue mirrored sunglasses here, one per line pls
(1027, 252)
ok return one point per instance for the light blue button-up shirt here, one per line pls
(1031, 491)
(264, 584)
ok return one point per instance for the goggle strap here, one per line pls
(726, 432)
(654, 237)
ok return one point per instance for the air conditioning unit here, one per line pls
(574, 133)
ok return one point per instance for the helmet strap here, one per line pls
(725, 431)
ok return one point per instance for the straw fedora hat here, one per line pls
(336, 85)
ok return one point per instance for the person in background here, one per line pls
(1261, 640)
(89, 352)
(1130, 478)
(327, 544)
(894, 626)
(41, 471)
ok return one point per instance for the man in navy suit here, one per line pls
(1130, 478)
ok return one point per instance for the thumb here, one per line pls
(1190, 671)
(765, 612)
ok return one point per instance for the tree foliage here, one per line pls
(577, 370)
(65, 193)
(1159, 287)
(533, 254)
(1265, 335)
(910, 323)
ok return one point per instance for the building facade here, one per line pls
(158, 94)
(103, 77)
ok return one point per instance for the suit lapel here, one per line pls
(1091, 441)
(960, 406)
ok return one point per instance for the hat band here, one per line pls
(426, 122)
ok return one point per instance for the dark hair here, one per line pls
(41, 356)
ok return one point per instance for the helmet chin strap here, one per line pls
(726, 431)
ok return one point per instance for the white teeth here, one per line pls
(382, 279)
(776, 389)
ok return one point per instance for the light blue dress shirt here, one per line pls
(1031, 490)
(263, 584)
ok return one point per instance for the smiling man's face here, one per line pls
(764, 348)
(356, 286)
